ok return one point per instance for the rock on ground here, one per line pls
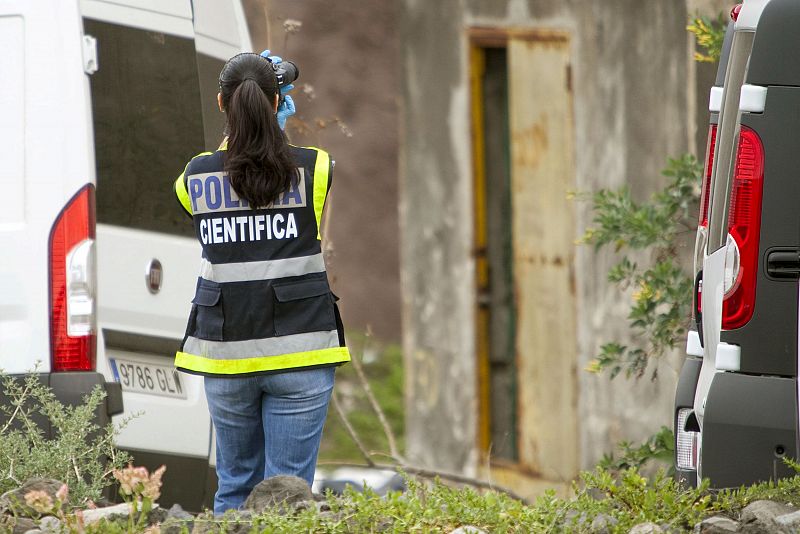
(646, 528)
(717, 525)
(602, 524)
(760, 516)
(282, 491)
(21, 525)
(468, 529)
(789, 522)
(14, 500)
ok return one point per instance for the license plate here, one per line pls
(147, 378)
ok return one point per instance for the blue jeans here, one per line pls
(266, 425)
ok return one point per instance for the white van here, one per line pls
(103, 102)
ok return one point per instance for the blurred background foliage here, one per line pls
(383, 366)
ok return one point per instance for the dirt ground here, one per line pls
(347, 100)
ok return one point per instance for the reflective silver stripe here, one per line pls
(252, 348)
(261, 270)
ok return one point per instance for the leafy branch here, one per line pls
(709, 34)
(662, 288)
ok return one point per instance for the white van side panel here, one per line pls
(12, 102)
(46, 135)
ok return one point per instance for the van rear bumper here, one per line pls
(71, 387)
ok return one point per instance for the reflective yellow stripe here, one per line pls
(183, 194)
(320, 185)
(201, 364)
(180, 186)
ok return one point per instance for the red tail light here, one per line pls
(735, 10)
(72, 279)
(706, 191)
(744, 226)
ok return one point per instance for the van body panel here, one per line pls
(750, 426)
(769, 339)
(770, 63)
(126, 305)
(46, 129)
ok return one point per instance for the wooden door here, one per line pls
(542, 174)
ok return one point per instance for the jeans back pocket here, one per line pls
(210, 318)
(303, 306)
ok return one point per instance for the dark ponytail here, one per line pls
(258, 160)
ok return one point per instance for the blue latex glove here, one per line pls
(286, 108)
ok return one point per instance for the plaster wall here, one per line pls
(634, 95)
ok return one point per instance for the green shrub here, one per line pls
(80, 454)
(659, 447)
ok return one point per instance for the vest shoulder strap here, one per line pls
(180, 188)
(322, 176)
(323, 173)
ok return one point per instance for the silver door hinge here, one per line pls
(90, 65)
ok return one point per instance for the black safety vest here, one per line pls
(263, 302)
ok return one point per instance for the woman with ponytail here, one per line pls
(264, 329)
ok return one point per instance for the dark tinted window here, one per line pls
(147, 124)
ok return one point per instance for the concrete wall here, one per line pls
(633, 99)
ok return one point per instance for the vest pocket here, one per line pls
(303, 306)
(210, 318)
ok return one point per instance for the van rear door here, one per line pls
(147, 123)
(148, 102)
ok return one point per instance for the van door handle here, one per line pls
(783, 264)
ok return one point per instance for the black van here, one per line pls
(736, 404)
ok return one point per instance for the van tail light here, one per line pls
(706, 191)
(744, 229)
(686, 443)
(735, 10)
(73, 341)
